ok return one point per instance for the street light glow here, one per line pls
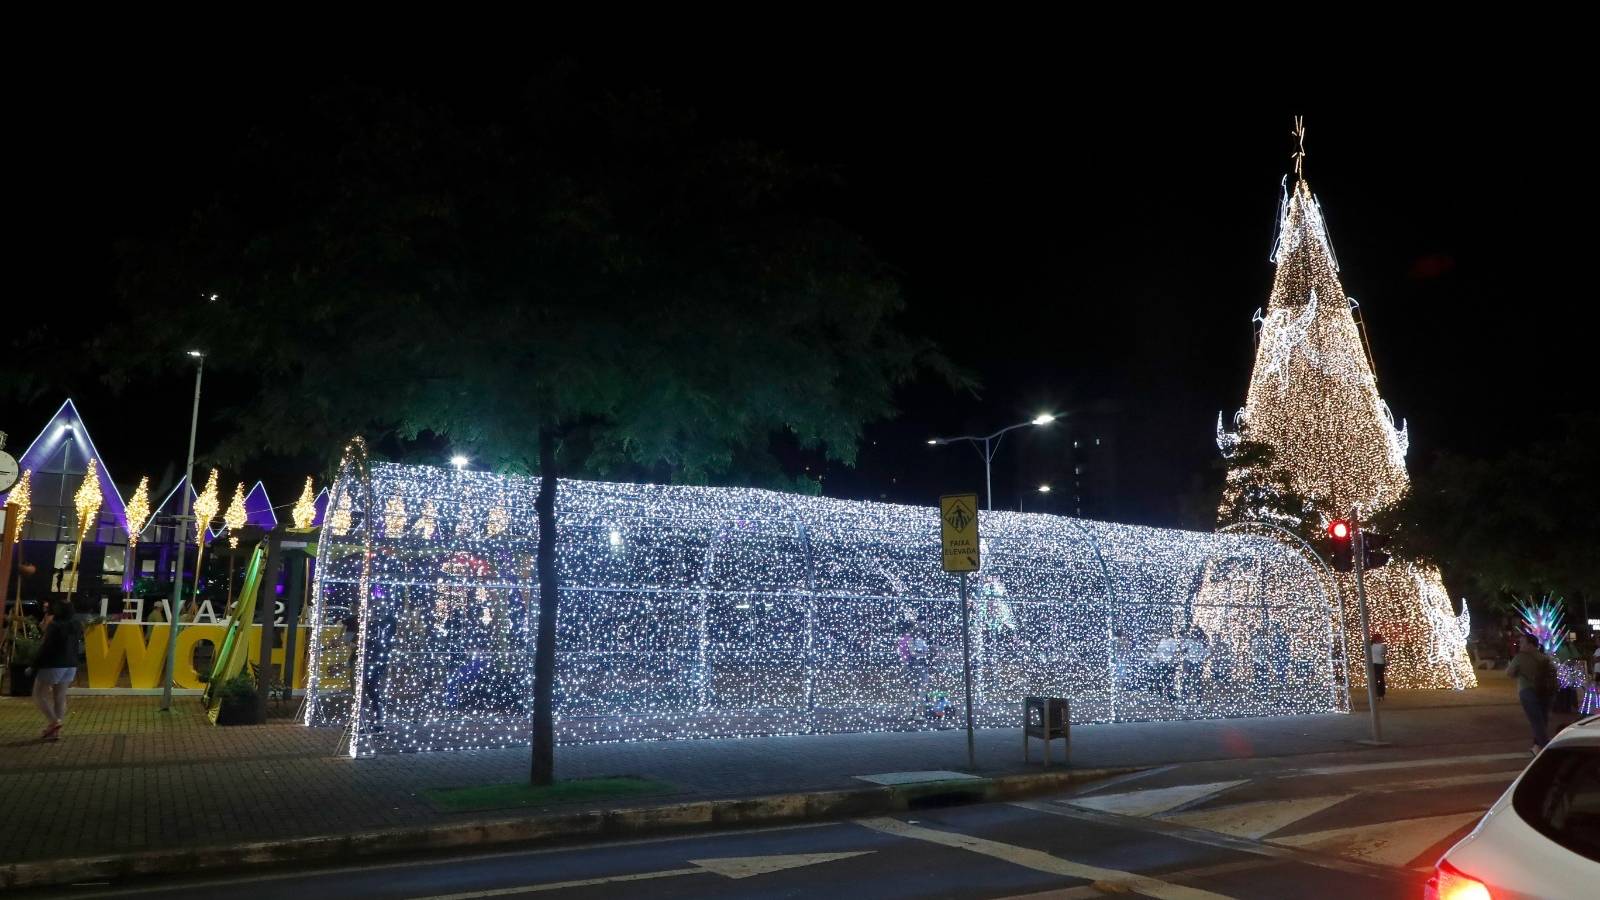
(933, 442)
(1043, 419)
(196, 354)
(459, 461)
(1044, 488)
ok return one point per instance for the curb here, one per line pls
(689, 816)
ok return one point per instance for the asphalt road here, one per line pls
(1361, 824)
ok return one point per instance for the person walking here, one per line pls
(1380, 664)
(1536, 687)
(55, 667)
(1196, 649)
(1168, 651)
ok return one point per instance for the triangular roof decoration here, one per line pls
(321, 504)
(170, 506)
(257, 511)
(258, 508)
(47, 444)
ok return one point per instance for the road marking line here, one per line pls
(1393, 787)
(727, 866)
(564, 885)
(1039, 861)
(312, 870)
(1211, 839)
(1256, 820)
(1394, 843)
(1407, 764)
(1096, 891)
(1150, 801)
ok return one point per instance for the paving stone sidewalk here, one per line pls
(126, 777)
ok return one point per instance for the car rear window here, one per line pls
(1560, 797)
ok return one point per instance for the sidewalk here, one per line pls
(126, 777)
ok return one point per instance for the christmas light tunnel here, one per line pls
(710, 612)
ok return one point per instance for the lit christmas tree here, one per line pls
(1314, 402)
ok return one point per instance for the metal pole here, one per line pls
(176, 604)
(966, 671)
(988, 478)
(1366, 633)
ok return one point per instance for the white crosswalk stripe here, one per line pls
(1384, 843)
(1151, 801)
(1255, 820)
(1322, 822)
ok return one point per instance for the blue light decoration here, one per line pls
(1545, 619)
(690, 612)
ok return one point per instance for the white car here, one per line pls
(1541, 839)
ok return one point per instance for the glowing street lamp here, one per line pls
(459, 461)
(986, 447)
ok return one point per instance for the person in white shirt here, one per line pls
(1380, 662)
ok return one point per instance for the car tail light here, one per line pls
(1450, 883)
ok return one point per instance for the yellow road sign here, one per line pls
(958, 531)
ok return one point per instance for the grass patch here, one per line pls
(515, 796)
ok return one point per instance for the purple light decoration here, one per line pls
(47, 444)
(258, 508)
(172, 504)
(321, 503)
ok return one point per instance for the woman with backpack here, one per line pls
(55, 667)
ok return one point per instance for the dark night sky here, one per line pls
(1066, 244)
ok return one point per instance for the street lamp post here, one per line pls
(176, 604)
(987, 446)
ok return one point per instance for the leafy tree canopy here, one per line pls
(664, 301)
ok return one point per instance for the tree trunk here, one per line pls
(543, 770)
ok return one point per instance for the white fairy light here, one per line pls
(1314, 400)
(702, 612)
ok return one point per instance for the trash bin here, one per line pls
(1045, 718)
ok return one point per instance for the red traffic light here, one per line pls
(1339, 530)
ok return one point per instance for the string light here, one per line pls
(700, 612)
(305, 509)
(1314, 400)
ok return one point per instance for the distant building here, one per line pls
(1089, 483)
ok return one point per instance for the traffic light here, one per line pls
(1342, 555)
(1375, 556)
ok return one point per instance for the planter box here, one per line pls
(237, 714)
(21, 681)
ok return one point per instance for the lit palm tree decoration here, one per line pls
(305, 509)
(87, 500)
(22, 496)
(205, 509)
(235, 517)
(234, 520)
(138, 511)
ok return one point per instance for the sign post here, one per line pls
(1360, 554)
(958, 536)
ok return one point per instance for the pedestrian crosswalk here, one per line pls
(1398, 813)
